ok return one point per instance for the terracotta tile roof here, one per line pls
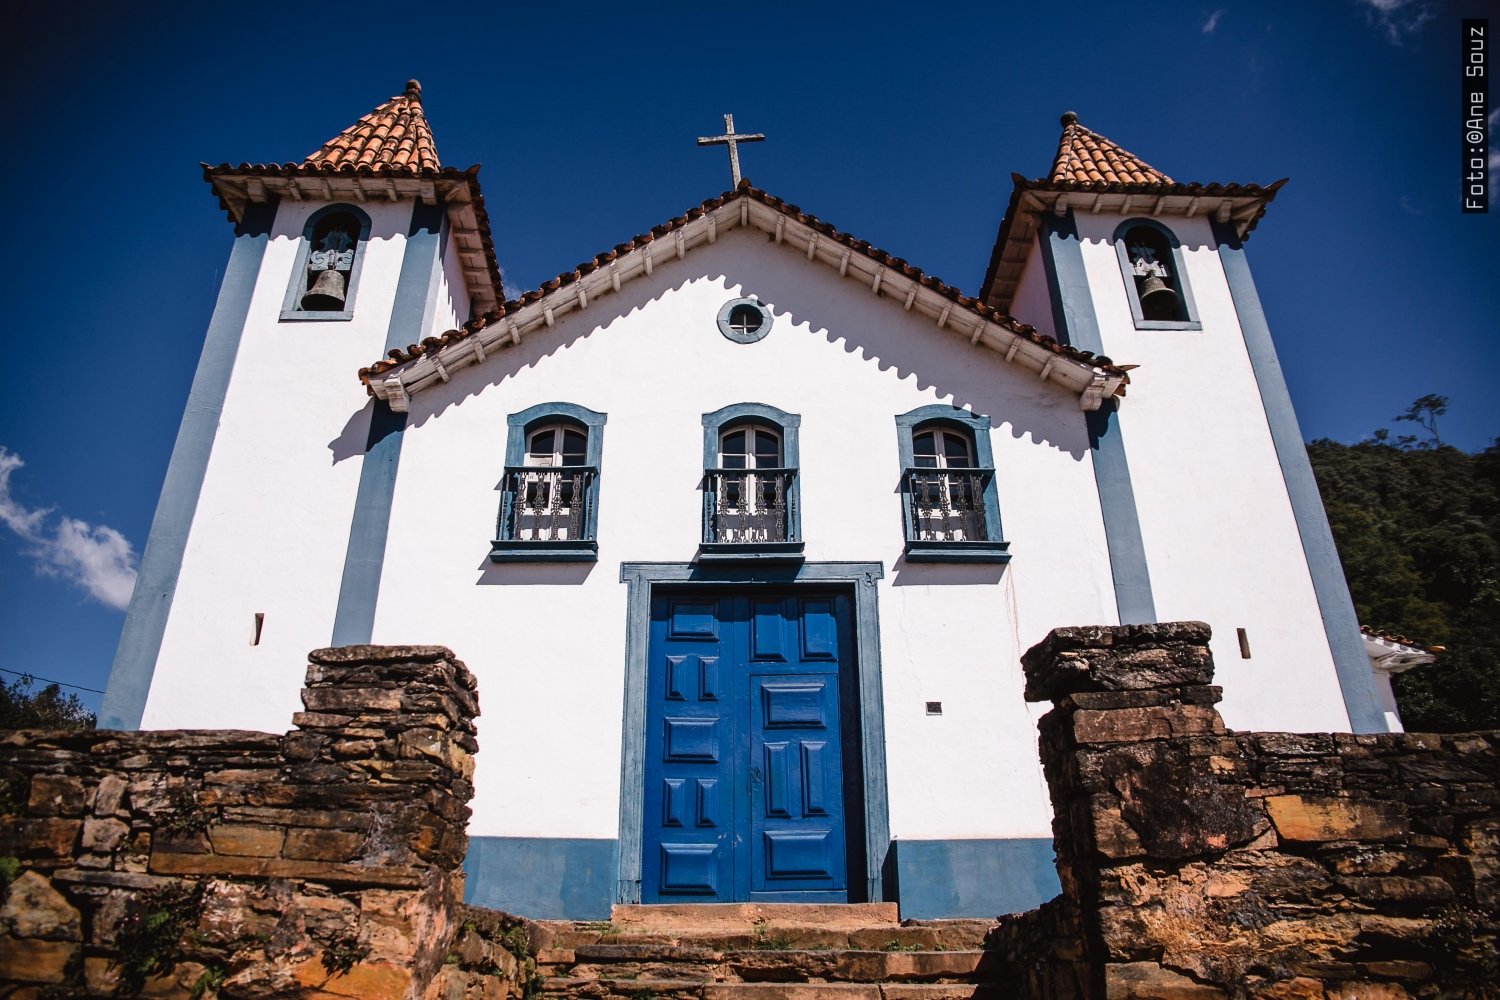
(1086, 157)
(1115, 179)
(971, 304)
(387, 154)
(1403, 640)
(395, 136)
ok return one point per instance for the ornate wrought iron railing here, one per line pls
(946, 505)
(749, 506)
(548, 504)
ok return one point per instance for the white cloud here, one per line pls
(1398, 18)
(1408, 207)
(94, 557)
(1213, 21)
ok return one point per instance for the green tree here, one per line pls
(1417, 524)
(49, 708)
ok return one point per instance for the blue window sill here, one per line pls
(758, 552)
(582, 550)
(958, 552)
(1167, 324)
(298, 314)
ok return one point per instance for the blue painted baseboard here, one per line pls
(973, 878)
(557, 878)
(545, 878)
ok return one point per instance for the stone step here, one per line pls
(856, 991)
(665, 962)
(853, 966)
(549, 937)
(730, 915)
(629, 989)
(652, 989)
(612, 961)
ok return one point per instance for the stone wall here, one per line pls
(1198, 862)
(319, 863)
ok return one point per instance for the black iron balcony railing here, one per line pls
(946, 505)
(547, 513)
(749, 507)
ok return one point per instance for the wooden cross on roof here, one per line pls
(732, 140)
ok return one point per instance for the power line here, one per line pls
(49, 680)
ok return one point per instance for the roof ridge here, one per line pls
(1085, 156)
(398, 356)
(394, 136)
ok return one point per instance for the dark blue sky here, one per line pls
(898, 123)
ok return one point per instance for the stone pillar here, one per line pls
(390, 729)
(321, 863)
(1139, 767)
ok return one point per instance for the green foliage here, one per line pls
(209, 982)
(516, 941)
(49, 708)
(762, 941)
(10, 870)
(151, 935)
(186, 817)
(1418, 530)
(12, 796)
(1468, 962)
(342, 955)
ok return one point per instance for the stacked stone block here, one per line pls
(319, 863)
(1198, 862)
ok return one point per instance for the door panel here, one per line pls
(744, 783)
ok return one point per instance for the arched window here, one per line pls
(750, 493)
(329, 260)
(1155, 283)
(949, 502)
(549, 495)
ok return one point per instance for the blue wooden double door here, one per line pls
(752, 787)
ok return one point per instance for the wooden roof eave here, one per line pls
(1033, 199)
(238, 190)
(1090, 384)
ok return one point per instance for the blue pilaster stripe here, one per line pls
(354, 619)
(161, 564)
(1356, 679)
(411, 316)
(1122, 525)
(1068, 284)
(1076, 324)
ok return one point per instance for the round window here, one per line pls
(744, 321)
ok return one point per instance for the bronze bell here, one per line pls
(326, 294)
(1158, 300)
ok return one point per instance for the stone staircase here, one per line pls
(747, 951)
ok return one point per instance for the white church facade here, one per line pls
(743, 525)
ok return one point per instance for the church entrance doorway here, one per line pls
(752, 785)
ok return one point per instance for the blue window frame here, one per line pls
(752, 501)
(1156, 284)
(330, 257)
(949, 505)
(549, 494)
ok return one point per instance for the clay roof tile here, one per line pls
(395, 134)
(1087, 157)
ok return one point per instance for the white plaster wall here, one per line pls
(453, 294)
(547, 642)
(1033, 302)
(1221, 541)
(272, 521)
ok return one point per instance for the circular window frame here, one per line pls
(747, 337)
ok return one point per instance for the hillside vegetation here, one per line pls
(1418, 528)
